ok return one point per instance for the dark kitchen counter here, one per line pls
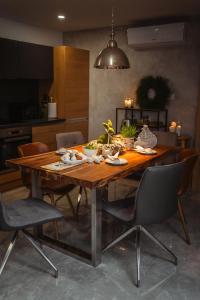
(32, 123)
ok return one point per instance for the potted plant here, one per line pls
(128, 134)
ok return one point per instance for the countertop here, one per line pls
(32, 123)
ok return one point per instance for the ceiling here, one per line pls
(90, 14)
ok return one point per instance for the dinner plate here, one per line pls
(74, 162)
(146, 152)
(117, 162)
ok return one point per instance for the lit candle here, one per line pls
(172, 127)
(128, 102)
(178, 129)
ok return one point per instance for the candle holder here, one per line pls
(128, 102)
(172, 126)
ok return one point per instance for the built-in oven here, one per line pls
(10, 139)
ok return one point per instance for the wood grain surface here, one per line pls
(91, 175)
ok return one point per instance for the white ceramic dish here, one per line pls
(89, 152)
(61, 151)
(146, 151)
(74, 162)
(117, 162)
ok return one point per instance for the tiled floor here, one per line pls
(27, 277)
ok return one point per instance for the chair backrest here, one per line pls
(69, 139)
(166, 138)
(3, 217)
(189, 157)
(156, 197)
(28, 150)
(32, 149)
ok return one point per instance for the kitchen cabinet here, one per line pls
(9, 59)
(36, 61)
(25, 60)
(71, 87)
(47, 134)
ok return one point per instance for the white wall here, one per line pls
(31, 34)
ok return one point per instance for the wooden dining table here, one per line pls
(94, 176)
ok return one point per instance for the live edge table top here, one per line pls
(90, 175)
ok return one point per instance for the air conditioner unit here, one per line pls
(156, 36)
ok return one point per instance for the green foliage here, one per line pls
(102, 139)
(109, 127)
(91, 146)
(162, 92)
(105, 138)
(128, 131)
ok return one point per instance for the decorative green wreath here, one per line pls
(153, 92)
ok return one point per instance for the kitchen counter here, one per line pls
(31, 123)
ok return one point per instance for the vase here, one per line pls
(129, 143)
(146, 138)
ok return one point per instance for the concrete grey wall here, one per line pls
(109, 87)
(31, 34)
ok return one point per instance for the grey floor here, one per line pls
(27, 277)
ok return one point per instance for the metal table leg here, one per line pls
(96, 227)
(37, 193)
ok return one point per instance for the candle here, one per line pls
(128, 102)
(178, 129)
(172, 127)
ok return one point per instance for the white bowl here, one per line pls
(89, 152)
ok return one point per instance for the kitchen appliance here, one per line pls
(10, 139)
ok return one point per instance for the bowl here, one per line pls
(89, 152)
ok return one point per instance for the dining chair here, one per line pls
(164, 138)
(155, 201)
(70, 139)
(22, 214)
(189, 157)
(49, 187)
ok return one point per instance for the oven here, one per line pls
(10, 139)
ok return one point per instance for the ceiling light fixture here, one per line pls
(61, 17)
(112, 57)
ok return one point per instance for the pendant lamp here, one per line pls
(112, 57)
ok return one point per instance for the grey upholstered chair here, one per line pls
(166, 138)
(69, 139)
(189, 157)
(21, 214)
(155, 201)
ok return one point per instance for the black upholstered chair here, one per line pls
(155, 201)
(21, 214)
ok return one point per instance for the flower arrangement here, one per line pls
(128, 131)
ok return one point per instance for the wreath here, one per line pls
(153, 92)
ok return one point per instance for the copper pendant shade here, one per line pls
(112, 57)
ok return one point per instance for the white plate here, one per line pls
(61, 151)
(74, 162)
(117, 162)
(146, 152)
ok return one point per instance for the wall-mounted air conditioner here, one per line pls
(154, 36)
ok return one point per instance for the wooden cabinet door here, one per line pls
(47, 134)
(9, 59)
(36, 61)
(71, 81)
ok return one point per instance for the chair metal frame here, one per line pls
(32, 241)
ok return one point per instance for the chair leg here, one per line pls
(9, 250)
(55, 223)
(71, 204)
(138, 232)
(183, 222)
(79, 200)
(161, 245)
(86, 197)
(38, 249)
